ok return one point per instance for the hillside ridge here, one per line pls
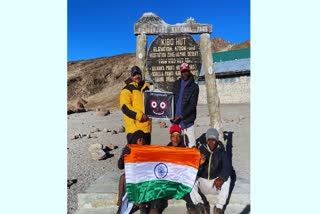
(99, 81)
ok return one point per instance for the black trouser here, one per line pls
(147, 137)
(161, 204)
(158, 204)
(188, 200)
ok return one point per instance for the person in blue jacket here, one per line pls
(186, 93)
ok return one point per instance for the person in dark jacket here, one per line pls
(138, 137)
(186, 93)
(214, 172)
(158, 205)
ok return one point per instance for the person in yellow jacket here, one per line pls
(131, 104)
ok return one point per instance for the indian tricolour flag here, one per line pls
(154, 172)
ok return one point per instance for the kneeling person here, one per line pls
(158, 205)
(137, 138)
(214, 172)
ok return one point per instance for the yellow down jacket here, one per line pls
(131, 104)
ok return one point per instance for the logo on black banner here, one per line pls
(158, 104)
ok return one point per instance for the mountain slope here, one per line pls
(100, 80)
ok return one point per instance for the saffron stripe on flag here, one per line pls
(155, 153)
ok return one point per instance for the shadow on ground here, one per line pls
(228, 136)
(246, 210)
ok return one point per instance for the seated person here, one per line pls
(158, 205)
(213, 174)
(137, 138)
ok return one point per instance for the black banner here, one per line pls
(158, 104)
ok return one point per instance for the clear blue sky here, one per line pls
(99, 28)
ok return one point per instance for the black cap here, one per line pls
(135, 70)
(136, 135)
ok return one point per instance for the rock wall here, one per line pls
(230, 90)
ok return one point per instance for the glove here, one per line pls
(144, 118)
(126, 150)
(176, 120)
(218, 183)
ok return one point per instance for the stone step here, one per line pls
(171, 209)
(97, 200)
(103, 193)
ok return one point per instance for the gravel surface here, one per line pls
(236, 118)
(80, 164)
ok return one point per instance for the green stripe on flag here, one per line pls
(150, 190)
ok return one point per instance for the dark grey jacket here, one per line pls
(189, 100)
(217, 163)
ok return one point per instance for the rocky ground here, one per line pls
(90, 128)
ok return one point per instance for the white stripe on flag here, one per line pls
(145, 171)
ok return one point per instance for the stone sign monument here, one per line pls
(174, 45)
(165, 56)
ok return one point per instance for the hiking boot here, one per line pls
(191, 210)
(217, 210)
(200, 209)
